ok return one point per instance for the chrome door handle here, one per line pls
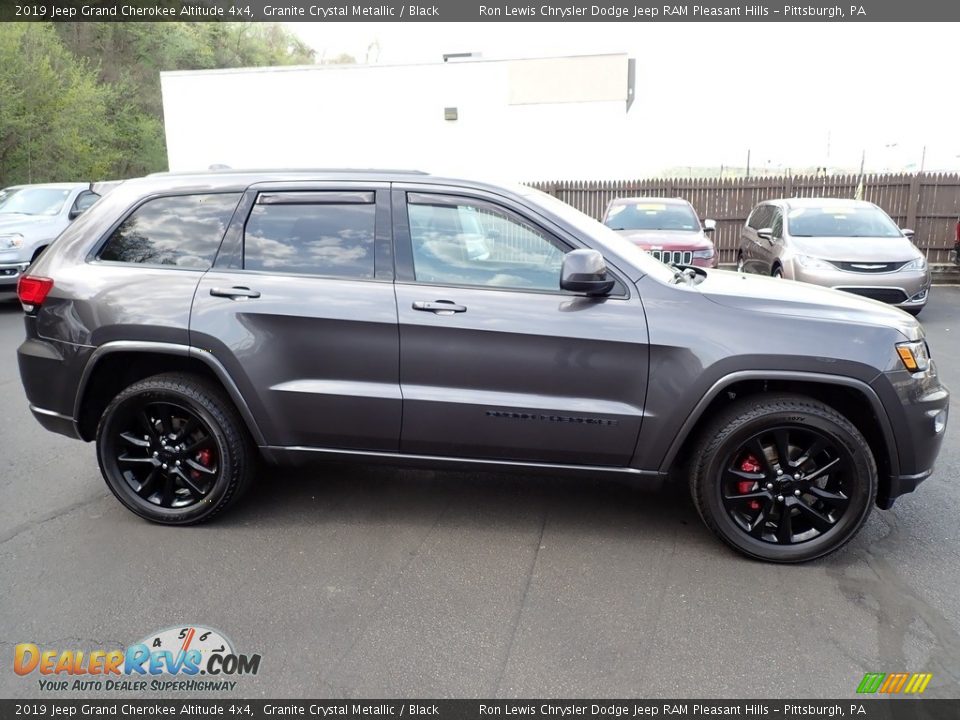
(235, 293)
(440, 307)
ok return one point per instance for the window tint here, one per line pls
(466, 242)
(333, 239)
(184, 231)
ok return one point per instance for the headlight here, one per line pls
(914, 355)
(11, 240)
(812, 263)
(919, 263)
(705, 254)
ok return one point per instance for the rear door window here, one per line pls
(180, 231)
(330, 234)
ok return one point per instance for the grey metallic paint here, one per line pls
(527, 379)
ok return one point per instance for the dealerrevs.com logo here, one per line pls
(191, 658)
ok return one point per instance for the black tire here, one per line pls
(138, 451)
(740, 265)
(915, 310)
(783, 518)
(777, 272)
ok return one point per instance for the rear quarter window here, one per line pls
(180, 231)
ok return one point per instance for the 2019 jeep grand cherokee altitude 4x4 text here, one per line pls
(189, 323)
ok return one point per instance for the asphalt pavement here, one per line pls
(374, 582)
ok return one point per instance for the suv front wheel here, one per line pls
(783, 478)
(173, 449)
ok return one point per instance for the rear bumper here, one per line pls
(50, 373)
(56, 422)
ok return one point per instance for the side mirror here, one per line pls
(74, 213)
(709, 225)
(908, 233)
(585, 271)
(765, 234)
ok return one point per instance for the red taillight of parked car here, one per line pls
(33, 290)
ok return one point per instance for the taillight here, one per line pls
(32, 291)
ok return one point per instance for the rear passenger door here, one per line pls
(299, 307)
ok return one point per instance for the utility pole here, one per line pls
(748, 162)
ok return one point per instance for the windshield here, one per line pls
(32, 201)
(859, 221)
(601, 234)
(652, 216)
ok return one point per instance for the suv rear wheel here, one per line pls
(173, 449)
(783, 478)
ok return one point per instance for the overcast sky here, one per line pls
(797, 95)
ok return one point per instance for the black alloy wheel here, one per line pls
(173, 450)
(787, 485)
(783, 478)
(170, 455)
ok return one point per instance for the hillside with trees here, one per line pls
(81, 101)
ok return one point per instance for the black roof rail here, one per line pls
(253, 171)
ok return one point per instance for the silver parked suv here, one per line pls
(849, 245)
(31, 217)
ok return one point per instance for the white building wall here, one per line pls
(509, 125)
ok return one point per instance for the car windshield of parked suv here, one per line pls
(32, 201)
(652, 216)
(867, 222)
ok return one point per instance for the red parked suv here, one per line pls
(667, 228)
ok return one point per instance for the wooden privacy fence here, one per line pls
(928, 203)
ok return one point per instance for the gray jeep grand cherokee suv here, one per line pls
(191, 324)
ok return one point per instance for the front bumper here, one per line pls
(903, 288)
(10, 274)
(918, 409)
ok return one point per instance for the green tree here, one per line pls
(53, 110)
(81, 101)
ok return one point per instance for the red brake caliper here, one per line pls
(749, 464)
(203, 457)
